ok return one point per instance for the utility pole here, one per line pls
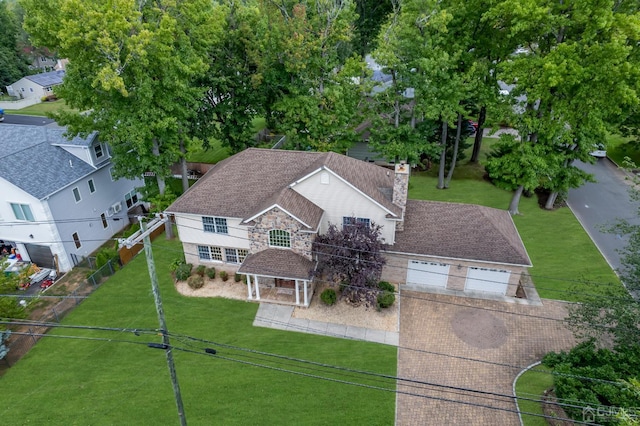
(163, 326)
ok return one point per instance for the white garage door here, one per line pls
(490, 280)
(427, 273)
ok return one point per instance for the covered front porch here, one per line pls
(278, 276)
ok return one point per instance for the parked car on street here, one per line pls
(600, 151)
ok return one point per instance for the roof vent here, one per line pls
(70, 163)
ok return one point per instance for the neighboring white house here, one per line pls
(259, 211)
(36, 85)
(59, 202)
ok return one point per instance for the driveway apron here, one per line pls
(469, 351)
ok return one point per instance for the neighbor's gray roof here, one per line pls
(30, 160)
(46, 79)
(240, 185)
(280, 263)
(461, 231)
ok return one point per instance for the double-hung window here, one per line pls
(209, 253)
(347, 220)
(131, 198)
(22, 212)
(235, 255)
(279, 238)
(216, 225)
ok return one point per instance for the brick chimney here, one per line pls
(400, 188)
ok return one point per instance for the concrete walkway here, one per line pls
(280, 317)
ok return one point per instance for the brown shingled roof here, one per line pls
(460, 231)
(278, 263)
(241, 184)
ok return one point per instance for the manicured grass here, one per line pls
(41, 109)
(566, 262)
(215, 153)
(619, 147)
(73, 381)
(531, 385)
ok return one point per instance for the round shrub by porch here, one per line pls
(386, 299)
(211, 273)
(224, 275)
(183, 271)
(237, 278)
(195, 282)
(328, 296)
(200, 270)
(384, 285)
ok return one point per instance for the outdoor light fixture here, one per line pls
(459, 267)
(31, 236)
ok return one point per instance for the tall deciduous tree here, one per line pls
(578, 77)
(232, 98)
(133, 67)
(351, 256)
(13, 65)
(310, 87)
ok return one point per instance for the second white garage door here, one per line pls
(427, 273)
(490, 280)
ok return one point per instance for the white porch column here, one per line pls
(249, 286)
(306, 297)
(297, 293)
(255, 281)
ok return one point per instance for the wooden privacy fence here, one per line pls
(126, 254)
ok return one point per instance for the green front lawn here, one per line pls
(531, 385)
(78, 381)
(41, 109)
(565, 261)
(619, 147)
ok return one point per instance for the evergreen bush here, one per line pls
(328, 296)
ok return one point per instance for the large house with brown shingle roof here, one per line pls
(258, 212)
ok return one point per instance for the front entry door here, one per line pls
(285, 283)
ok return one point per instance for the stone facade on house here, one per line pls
(400, 190)
(276, 219)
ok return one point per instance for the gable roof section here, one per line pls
(47, 79)
(29, 161)
(460, 231)
(295, 205)
(278, 263)
(253, 180)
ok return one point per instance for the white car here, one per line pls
(600, 151)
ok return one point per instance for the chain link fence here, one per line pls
(24, 337)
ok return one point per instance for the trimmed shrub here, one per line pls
(175, 263)
(386, 299)
(224, 275)
(384, 285)
(195, 281)
(183, 271)
(237, 277)
(211, 273)
(328, 296)
(200, 270)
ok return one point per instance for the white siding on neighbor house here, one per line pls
(338, 199)
(91, 231)
(26, 88)
(190, 230)
(59, 216)
(44, 232)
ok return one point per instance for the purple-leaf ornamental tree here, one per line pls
(351, 256)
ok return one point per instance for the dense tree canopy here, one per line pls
(132, 71)
(13, 65)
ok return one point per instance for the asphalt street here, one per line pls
(599, 204)
(25, 119)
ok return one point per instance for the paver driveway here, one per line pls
(441, 337)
